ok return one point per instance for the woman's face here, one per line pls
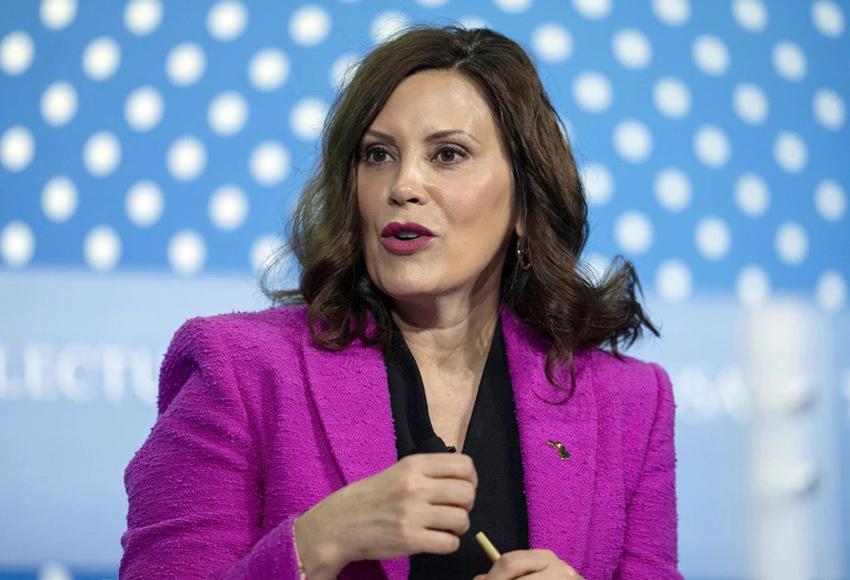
(433, 156)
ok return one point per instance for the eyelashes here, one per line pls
(366, 154)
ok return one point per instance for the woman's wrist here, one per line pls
(318, 558)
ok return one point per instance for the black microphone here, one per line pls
(435, 445)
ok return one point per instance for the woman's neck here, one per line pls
(448, 337)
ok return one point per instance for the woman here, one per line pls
(442, 374)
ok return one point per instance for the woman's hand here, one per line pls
(420, 504)
(537, 564)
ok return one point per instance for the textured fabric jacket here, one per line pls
(256, 425)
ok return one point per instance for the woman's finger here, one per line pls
(453, 492)
(517, 564)
(531, 565)
(447, 518)
(449, 465)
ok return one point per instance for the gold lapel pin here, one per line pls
(562, 451)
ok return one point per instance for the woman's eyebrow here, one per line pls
(432, 137)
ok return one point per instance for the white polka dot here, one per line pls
(673, 281)
(672, 189)
(58, 103)
(187, 252)
(672, 97)
(307, 117)
(17, 244)
(187, 158)
(633, 232)
(592, 9)
(54, 571)
(633, 141)
(17, 148)
(712, 238)
(830, 200)
(102, 153)
(185, 64)
(828, 18)
(592, 92)
(143, 109)
(228, 207)
(269, 69)
(552, 42)
(672, 12)
(343, 69)
(513, 6)
(751, 195)
(632, 48)
(227, 114)
(790, 152)
(309, 25)
(141, 17)
(263, 251)
(710, 55)
(431, 3)
(386, 25)
(789, 60)
(750, 103)
(144, 203)
(16, 52)
(598, 183)
(752, 286)
(828, 108)
(269, 163)
(792, 243)
(751, 15)
(711, 146)
(831, 291)
(58, 14)
(101, 58)
(226, 20)
(470, 22)
(102, 248)
(59, 199)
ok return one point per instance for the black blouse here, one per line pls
(492, 440)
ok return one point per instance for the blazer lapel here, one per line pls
(559, 492)
(351, 394)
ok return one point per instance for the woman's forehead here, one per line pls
(432, 101)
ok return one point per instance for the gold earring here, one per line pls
(522, 258)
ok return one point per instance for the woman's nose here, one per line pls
(408, 185)
(402, 194)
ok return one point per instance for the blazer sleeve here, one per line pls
(651, 546)
(194, 487)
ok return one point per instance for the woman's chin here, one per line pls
(409, 292)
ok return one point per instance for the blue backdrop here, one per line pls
(151, 151)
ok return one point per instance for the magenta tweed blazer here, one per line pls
(256, 424)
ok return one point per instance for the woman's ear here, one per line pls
(519, 228)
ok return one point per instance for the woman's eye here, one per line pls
(371, 150)
(447, 154)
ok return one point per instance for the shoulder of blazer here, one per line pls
(255, 331)
(235, 341)
(629, 376)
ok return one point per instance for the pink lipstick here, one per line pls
(405, 239)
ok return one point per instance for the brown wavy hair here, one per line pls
(558, 295)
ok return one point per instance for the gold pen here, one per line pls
(487, 546)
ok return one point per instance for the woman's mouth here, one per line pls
(404, 247)
(405, 239)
